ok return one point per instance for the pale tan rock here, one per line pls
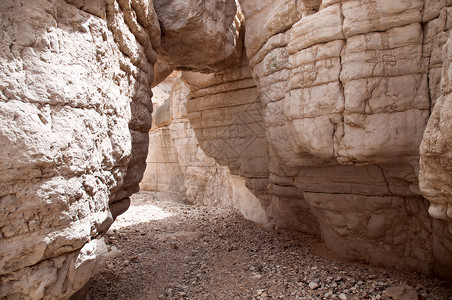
(240, 143)
(199, 35)
(347, 88)
(176, 163)
(324, 26)
(379, 229)
(401, 292)
(75, 111)
(338, 119)
(436, 33)
(246, 202)
(432, 9)
(265, 19)
(379, 15)
(436, 151)
(323, 125)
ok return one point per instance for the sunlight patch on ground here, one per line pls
(139, 214)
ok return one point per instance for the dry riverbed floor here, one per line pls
(164, 249)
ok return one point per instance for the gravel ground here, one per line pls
(161, 249)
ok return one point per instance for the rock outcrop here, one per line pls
(435, 174)
(75, 109)
(199, 35)
(347, 88)
(327, 129)
(225, 110)
(177, 164)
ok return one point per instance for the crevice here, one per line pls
(118, 36)
(191, 97)
(137, 30)
(386, 179)
(336, 139)
(352, 194)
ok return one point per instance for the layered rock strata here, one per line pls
(347, 88)
(75, 115)
(225, 111)
(177, 164)
(75, 109)
(344, 93)
(322, 120)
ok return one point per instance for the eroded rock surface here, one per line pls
(176, 162)
(322, 119)
(436, 148)
(75, 109)
(199, 35)
(342, 92)
(347, 88)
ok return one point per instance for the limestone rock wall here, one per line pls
(322, 120)
(75, 109)
(226, 113)
(344, 91)
(199, 35)
(436, 152)
(347, 88)
(176, 162)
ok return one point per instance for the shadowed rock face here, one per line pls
(345, 91)
(199, 35)
(176, 162)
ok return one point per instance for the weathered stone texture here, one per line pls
(177, 164)
(436, 149)
(346, 89)
(326, 122)
(75, 110)
(322, 119)
(199, 35)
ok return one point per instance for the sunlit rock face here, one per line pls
(75, 115)
(346, 89)
(75, 109)
(436, 149)
(322, 119)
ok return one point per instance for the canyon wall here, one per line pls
(324, 118)
(336, 116)
(75, 112)
(329, 141)
(177, 164)
(75, 107)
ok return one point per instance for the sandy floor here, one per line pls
(162, 249)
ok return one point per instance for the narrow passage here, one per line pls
(164, 249)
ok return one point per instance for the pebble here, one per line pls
(342, 296)
(114, 253)
(260, 291)
(313, 285)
